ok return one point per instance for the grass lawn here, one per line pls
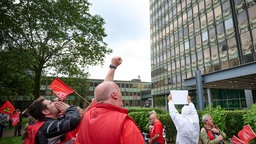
(11, 140)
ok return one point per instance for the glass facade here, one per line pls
(205, 35)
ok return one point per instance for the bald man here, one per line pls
(106, 122)
(156, 131)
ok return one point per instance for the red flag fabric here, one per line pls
(246, 134)
(7, 108)
(60, 89)
(236, 140)
(15, 118)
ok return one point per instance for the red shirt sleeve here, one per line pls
(131, 133)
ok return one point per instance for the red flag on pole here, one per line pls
(236, 140)
(7, 108)
(246, 134)
(60, 89)
(15, 118)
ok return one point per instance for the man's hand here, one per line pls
(170, 97)
(215, 130)
(61, 106)
(220, 138)
(116, 61)
(189, 99)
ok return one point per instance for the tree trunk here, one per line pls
(37, 79)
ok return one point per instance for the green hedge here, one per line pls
(231, 122)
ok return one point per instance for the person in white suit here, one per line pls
(186, 123)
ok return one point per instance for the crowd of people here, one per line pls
(14, 121)
(106, 121)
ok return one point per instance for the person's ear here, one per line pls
(46, 112)
(114, 95)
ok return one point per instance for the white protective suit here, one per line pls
(186, 123)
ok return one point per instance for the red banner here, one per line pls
(236, 140)
(60, 89)
(15, 118)
(246, 134)
(7, 108)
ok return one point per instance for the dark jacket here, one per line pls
(54, 130)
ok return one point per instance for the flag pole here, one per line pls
(81, 97)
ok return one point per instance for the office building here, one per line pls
(216, 38)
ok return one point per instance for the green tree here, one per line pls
(59, 36)
(13, 74)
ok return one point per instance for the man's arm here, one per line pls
(53, 129)
(153, 138)
(173, 112)
(115, 62)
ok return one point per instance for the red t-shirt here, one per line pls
(157, 129)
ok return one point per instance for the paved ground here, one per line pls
(9, 133)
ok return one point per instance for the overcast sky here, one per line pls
(127, 27)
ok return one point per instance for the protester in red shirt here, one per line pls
(156, 131)
(106, 122)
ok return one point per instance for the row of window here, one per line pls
(224, 51)
(139, 85)
(218, 30)
(184, 68)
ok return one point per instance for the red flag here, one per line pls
(236, 140)
(60, 89)
(7, 108)
(246, 134)
(15, 118)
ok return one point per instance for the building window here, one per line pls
(207, 60)
(226, 9)
(247, 47)
(187, 61)
(220, 32)
(195, 11)
(229, 24)
(229, 27)
(205, 36)
(239, 5)
(210, 17)
(186, 44)
(217, 12)
(201, 5)
(254, 38)
(212, 35)
(192, 43)
(189, 14)
(232, 51)
(184, 17)
(252, 16)
(191, 29)
(242, 22)
(198, 41)
(183, 4)
(197, 25)
(185, 30)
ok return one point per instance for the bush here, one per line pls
(231, 122)
(250, 117)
